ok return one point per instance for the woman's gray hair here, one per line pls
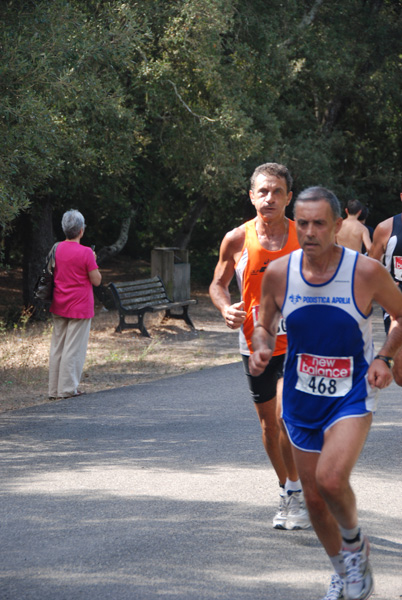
(72, 223)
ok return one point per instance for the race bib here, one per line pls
(281, 324)
(281, 327)
(255, 311)
(398, 267)
(324, 375)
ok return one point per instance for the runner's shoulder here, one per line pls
(367, 267)
(384, 229)
(234, 239)
(278, 267)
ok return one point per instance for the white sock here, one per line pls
(292, 486)
(339, 564)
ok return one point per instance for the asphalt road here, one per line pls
(163, 490)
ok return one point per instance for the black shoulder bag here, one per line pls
(43, 289)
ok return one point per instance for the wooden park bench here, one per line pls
(136, 298)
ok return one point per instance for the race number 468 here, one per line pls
(324, 375)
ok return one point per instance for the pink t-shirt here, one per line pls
(73, 295)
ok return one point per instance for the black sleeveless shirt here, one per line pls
(393, 251)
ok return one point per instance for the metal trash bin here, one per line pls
(172, 266)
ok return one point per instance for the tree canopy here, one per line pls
(159, 111)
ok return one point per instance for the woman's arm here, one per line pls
(95, 277)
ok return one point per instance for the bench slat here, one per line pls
(138, 288)
(136, 306)
(127, 293)
(140, 283)
(143, 294)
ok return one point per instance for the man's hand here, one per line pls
(259, 360)
(379, 374)
(234, 315)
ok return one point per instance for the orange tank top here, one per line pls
(249, 270)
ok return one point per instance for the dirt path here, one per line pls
(116, 359)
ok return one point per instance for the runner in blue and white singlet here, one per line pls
(325, 292)
(330, 349)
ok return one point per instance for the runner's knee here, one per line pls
(314, 501)
(330, 483)
(270, 429)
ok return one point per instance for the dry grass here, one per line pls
(115, 359)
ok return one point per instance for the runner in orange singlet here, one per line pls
(250, 269)
(246, 252)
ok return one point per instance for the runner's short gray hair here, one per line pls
(317, 193)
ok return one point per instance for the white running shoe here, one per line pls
(359, 583)
(279, 520)
(335, 590)
(297, 515)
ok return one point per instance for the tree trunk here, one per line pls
(183, 237)
(102, 292)
(332, 113)
(38, 240)
(108, 251)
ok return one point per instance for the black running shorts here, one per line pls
(263, 387)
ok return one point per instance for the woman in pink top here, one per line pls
(75, 273)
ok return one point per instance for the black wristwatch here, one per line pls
(387, 359)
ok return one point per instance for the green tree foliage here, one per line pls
(342, 109)
(161, 110)
(71, 137)
(197, 114)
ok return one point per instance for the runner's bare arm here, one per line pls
(374, 283)
(272, 294)
(391, 300)
(380, 239)
(366, 239)
(230, 250)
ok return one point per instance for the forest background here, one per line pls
(149, 117)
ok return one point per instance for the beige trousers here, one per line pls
(68, 349)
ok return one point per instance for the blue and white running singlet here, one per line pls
(330, 347)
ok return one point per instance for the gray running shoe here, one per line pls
(335, 590)
(359, 583)
(279, 520)
(297, 515)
